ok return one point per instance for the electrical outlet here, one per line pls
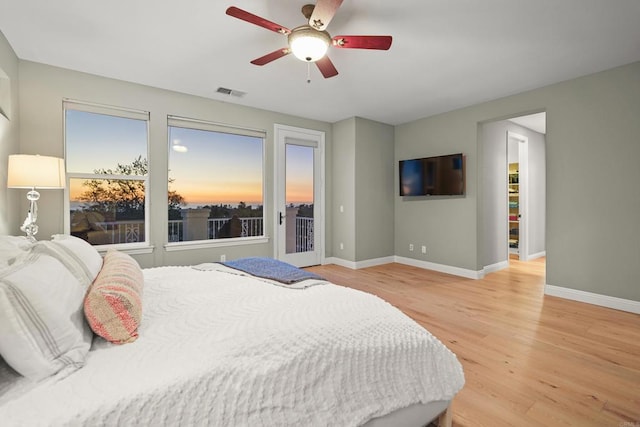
(410, 246)
(223, 258)
(424, 249)
(341, 246)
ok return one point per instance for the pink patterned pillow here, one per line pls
(113, 305)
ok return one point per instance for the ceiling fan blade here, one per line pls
(326, 67)
(276, 54)
(363, 42)
(323, 13)
(255, 19)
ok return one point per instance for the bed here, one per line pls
(216, 345)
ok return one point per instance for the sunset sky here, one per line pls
(201, 175)
(299, 172)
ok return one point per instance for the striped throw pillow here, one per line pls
(113, 305)
(80, 258)
(42, 330)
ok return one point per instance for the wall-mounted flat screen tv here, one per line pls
(432, 176)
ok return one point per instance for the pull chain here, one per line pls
(308, 72)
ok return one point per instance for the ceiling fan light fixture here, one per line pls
(308, 44)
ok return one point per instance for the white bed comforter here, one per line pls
(223, 349)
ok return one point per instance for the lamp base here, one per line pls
(29, 226)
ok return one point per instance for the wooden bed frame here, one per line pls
(446, 418)
(430, 414)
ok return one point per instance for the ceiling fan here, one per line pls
(310, 42)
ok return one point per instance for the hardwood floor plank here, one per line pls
(529, 359)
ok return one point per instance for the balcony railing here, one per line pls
(114, 232)
(249, 227)
(117, 232)
(304, 234)
(176, 230)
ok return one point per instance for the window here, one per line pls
(216, 181)
(107, 173)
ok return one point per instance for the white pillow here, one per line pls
(42, 326)
(13, 247)
(82, 259)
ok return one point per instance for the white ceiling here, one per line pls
(536, 122)
(445, 54)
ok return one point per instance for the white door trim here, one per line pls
(282, 133)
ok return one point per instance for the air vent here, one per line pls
(231, 92)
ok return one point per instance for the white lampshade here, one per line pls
(34, 171)
(308, 44)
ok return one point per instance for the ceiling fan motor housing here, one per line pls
(309, 44)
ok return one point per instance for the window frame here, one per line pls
(121, 112)
(209, 126)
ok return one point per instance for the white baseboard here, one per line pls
(537, 255)
(591, 298)
(374, 262)
(556, 291)
(339, 261)
(456, 271)
(355, 265)
(495, 267)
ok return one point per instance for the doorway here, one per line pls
(507, 220)
(517, 195)
(299, 194)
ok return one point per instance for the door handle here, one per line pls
(280, 213)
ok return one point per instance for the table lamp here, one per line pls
(34, 172)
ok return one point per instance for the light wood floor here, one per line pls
(529, 359)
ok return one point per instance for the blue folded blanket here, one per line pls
(269, 268)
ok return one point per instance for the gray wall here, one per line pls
(363, 186)
(493, 156)
(9, 137)
(42, 89)
(344, 187)
(445, 225)
(374, 195)
(592, 187)
(492, 205)
(537, 192)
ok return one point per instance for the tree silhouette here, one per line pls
(122, 198)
